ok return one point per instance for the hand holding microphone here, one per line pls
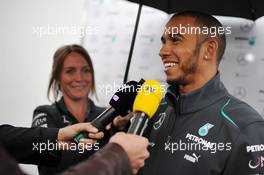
(120, 104)
(145, 105)
(135, 147)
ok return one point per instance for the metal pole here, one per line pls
(132, 43)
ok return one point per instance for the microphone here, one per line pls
(121, 103)
(145, 105)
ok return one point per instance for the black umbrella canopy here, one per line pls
(250, 9)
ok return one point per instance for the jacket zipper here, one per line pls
(177, 112)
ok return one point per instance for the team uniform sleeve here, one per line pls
(42, 118)
(247, 156)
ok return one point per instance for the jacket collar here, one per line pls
(62, 107)
(194, 101)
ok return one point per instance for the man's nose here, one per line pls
(164, 51)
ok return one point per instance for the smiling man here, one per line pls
(199, 127)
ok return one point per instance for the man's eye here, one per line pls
(175, 39)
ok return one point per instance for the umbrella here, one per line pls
(250, 9)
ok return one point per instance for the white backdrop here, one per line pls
(26, 56)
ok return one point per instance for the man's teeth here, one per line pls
(166, 65)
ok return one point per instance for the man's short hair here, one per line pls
(208, 21)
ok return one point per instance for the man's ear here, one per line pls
(209, 49)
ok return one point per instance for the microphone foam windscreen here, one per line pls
(148, 98)
(124, 98)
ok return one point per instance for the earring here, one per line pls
(206, 56)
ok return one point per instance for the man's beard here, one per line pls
(187, 70)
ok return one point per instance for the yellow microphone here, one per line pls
(145, 105)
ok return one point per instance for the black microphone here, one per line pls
(120, 104)
(145, 105)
